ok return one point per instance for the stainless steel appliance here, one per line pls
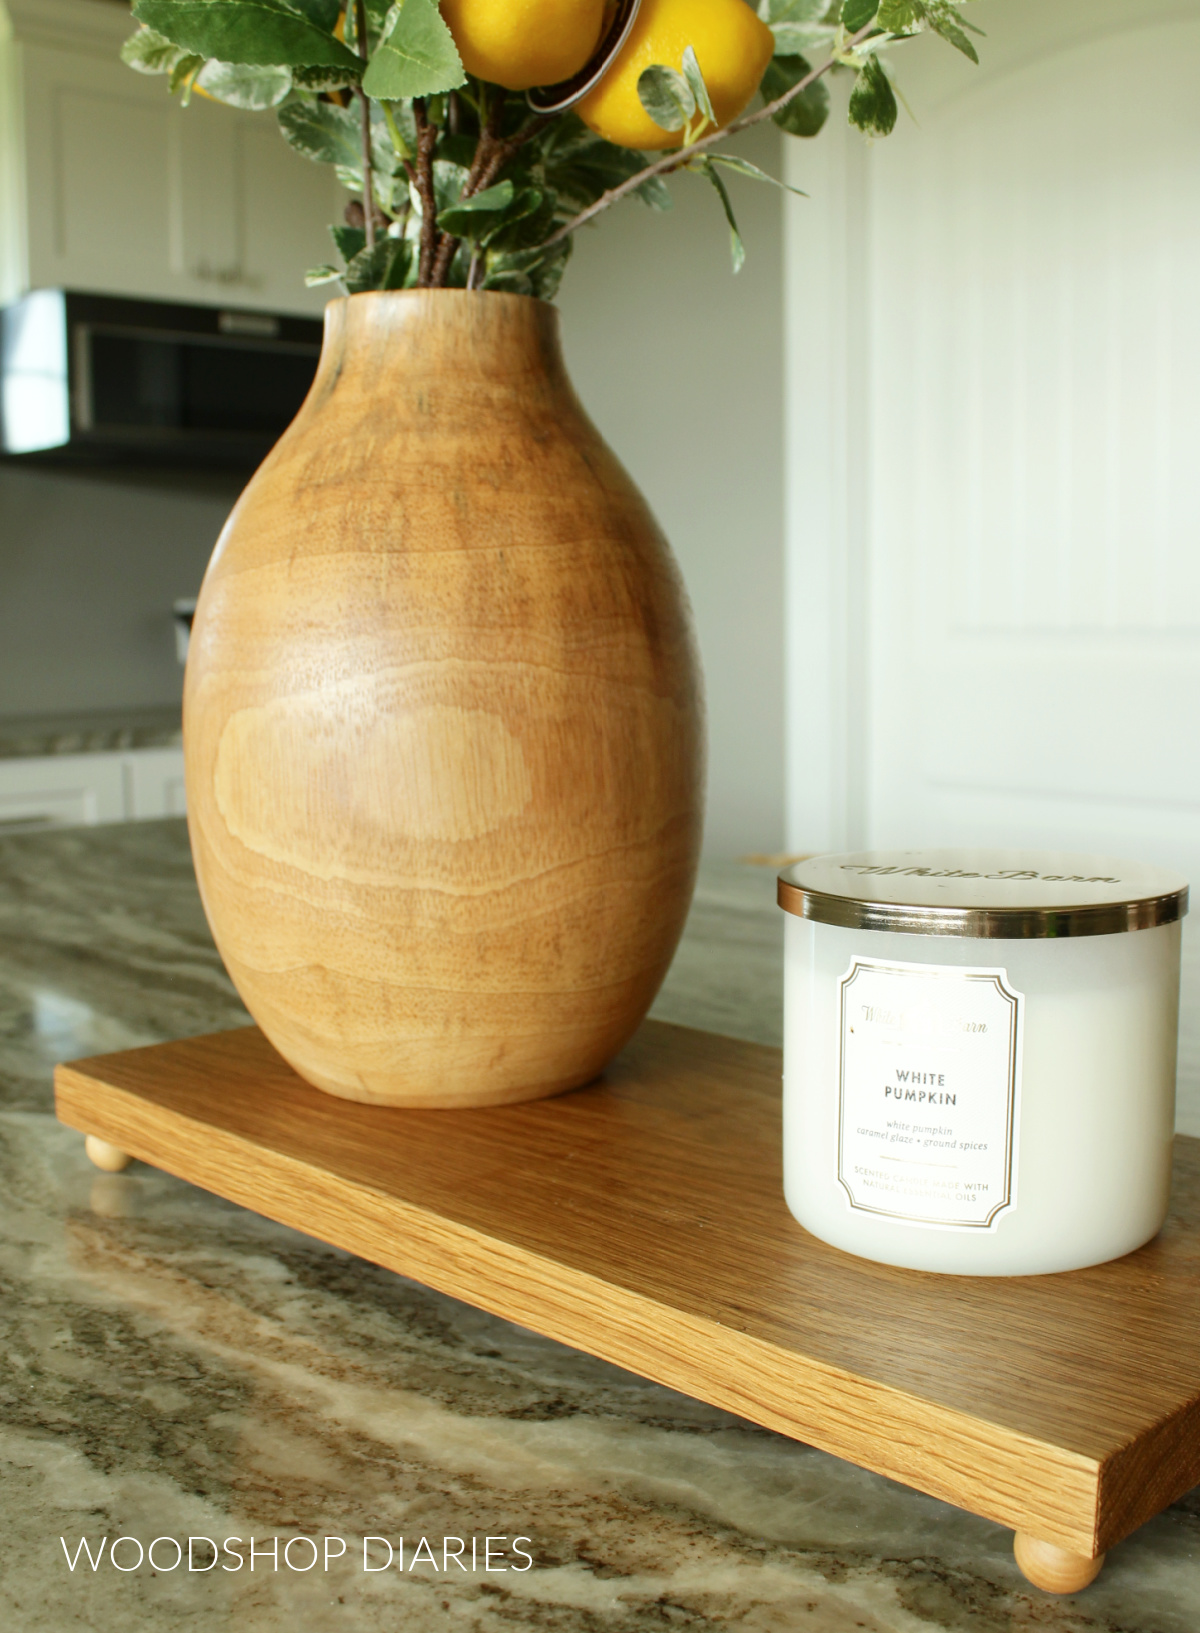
(93, 377)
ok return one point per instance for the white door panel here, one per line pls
(1052, 718)
(1033, 408)
(1018, 647)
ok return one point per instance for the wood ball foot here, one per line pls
(1052, 1568)
(109, 1157)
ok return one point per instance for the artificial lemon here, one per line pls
(520, 43)
(732, 46)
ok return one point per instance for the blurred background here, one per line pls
(927, 462)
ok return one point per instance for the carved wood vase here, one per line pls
(443, 721)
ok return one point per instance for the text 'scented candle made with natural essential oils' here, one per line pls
(979, 1056)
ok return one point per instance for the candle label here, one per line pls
(930, 1092)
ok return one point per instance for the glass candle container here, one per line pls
(979, 1056)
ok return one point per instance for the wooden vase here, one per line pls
(443, 719)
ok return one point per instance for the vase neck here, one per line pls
(508, 340)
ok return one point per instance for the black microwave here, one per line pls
(95, 377)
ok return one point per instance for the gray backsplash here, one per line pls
(90, 563)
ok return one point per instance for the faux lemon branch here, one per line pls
(680, 158)
(453, 182)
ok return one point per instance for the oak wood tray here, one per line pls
(642, 1219)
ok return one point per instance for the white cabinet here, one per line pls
(61, 791)
(80, 790)
(108, 185)
(154, 783)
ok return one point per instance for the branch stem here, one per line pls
(489, 135)
(360, 39)
(426, 142)
(492, 153)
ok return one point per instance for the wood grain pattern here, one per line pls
(442, 719)
(1053, 1569)
(642, 1219)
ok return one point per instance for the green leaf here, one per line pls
(350, 241)
(402, 132)
(737, 249)
(793, 39)
(947, 22)
(655, 193)
(944, 5)
(366, 269)
(377, 23)
(743, 167)
(579, 166)
(320, 275)
(181, 74)
(792, 11)
(699, 90)
(857, 14)
(323, 132)
(872, 101)
(324, 13)
(417, 55)
(150, 52)
(321, 77)
(474, 217)
(804, 114)
(797, 25)
(449, 179)
(527, 223)
(907, 17)
(265, 32)
(666, 96)
(245, 87)
(400, 269)
(536, 272)
(384, 266)
(899, 16)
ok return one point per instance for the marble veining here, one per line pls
(173, 1366)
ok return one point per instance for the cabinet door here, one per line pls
(285, 206)
(154, 783)
(102, 164)
(129, 193)
(61, 791)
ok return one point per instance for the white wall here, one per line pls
(680, 364)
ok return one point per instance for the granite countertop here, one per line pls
(173, 1366)
(102, 732)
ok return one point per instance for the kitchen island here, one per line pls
(175, 1367)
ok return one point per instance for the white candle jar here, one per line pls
(979, 1056)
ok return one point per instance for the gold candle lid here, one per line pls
(1011, 895)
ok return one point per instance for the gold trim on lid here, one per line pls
(982, 895)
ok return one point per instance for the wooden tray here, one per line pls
(642, 1219)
